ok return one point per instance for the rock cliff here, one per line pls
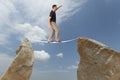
(97, 61)
(21, 67)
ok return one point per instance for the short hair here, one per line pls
(54, 5)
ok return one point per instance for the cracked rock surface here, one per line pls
(21, 67)
(97, 61)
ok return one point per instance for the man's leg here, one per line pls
(51, 35)
(57, 32)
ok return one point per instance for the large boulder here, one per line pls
(97, 61)
(21, 67)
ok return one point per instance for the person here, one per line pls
(53, 26)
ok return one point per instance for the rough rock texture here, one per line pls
(21, 67)
(97, 62)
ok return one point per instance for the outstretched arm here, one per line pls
(59, 7)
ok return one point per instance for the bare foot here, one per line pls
(50, 41)
(58, 40)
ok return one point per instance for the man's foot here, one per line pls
(50, 41)
(58, 40)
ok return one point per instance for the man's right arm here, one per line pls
(49, 24)
(59, 7)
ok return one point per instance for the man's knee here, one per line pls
(53, 30)
(56, 29)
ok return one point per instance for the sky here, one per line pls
(95, 19)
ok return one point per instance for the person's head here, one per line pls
(54, 7)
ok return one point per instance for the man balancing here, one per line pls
(52, 24)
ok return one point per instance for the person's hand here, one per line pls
(61, 6)
(49, 25)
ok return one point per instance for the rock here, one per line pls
(21, 67)
(97, 61)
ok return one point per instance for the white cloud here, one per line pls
(77, 62)
(41, 55)
(5, 61)
(60, 55)
(6, 8)
(70, 7)
(39, 9)
(33, 33)
(72, 67)
(33, 12)
(3, 38)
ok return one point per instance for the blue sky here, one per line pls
(96, 19)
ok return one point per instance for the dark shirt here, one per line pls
(53, 16)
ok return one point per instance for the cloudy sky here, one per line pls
(19, 19)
